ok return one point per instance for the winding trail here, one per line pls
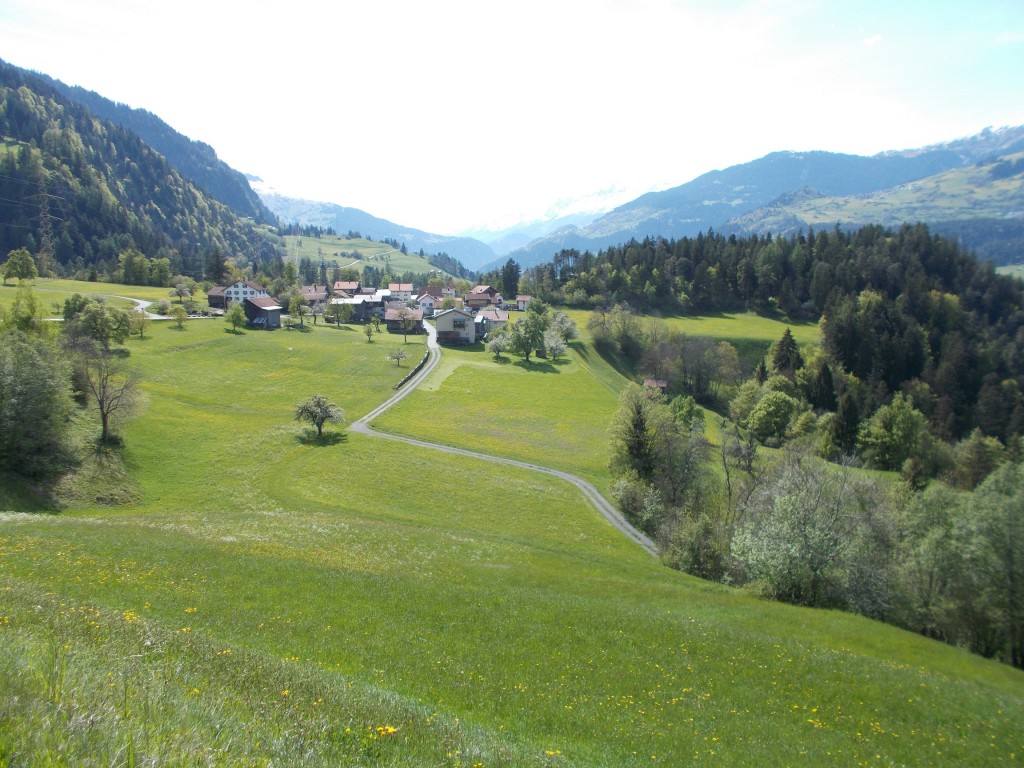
(362, 426)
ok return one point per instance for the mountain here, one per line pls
(717, 198)
(85, 190)
(504, 241)
(981, 205)
(471, 252)
(192, 159)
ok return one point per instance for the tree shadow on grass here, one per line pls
(537, 366)
(234, 331)
(501, 360)
(310, 437)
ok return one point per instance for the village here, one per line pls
(402, 307)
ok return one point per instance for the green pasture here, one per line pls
(271, 599)
(551, 412)
(51, 292)
(343, 250)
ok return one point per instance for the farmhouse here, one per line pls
(315, 295)
(243, 289)
(262, 311)
(351, 287)
(482, 296)
(395, 317)
(455, 326)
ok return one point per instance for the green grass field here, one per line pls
(356, 253)
(551, 412)
(274, 600)
(51, 292)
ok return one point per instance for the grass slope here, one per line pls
(52, 292)
(356, 252)
(275, 600)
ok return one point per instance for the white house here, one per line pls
(244, 289)
(427, 303)
(455, 326)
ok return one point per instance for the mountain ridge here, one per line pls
(718, 199)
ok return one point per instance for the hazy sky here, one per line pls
(452, 114)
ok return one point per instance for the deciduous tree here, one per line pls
(235, 315)
(20, 266)
(318, 410)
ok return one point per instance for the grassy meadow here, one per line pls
(271, 599)
(52, 292)
(355, 252)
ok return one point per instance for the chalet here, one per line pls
(455, 326)
(215, 297)
(522, 302)
(262, 311)
(489, 319)
(482, 296)
(659, 384)
(394, 319)
(243, 289)
(401, 291)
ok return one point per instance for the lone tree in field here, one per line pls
(179, 314)
(235, 315)
(20, 265)
(112, 385)
(317, 410)
(398, 355)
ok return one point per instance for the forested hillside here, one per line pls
(195, 160)
(79, 191)
(901, 310)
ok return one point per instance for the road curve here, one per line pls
(591, 493)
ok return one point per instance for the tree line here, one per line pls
(939, 553)
(55, 377)
(900, 310)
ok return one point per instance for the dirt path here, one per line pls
(591, 493)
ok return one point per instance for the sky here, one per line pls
(459, 115)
